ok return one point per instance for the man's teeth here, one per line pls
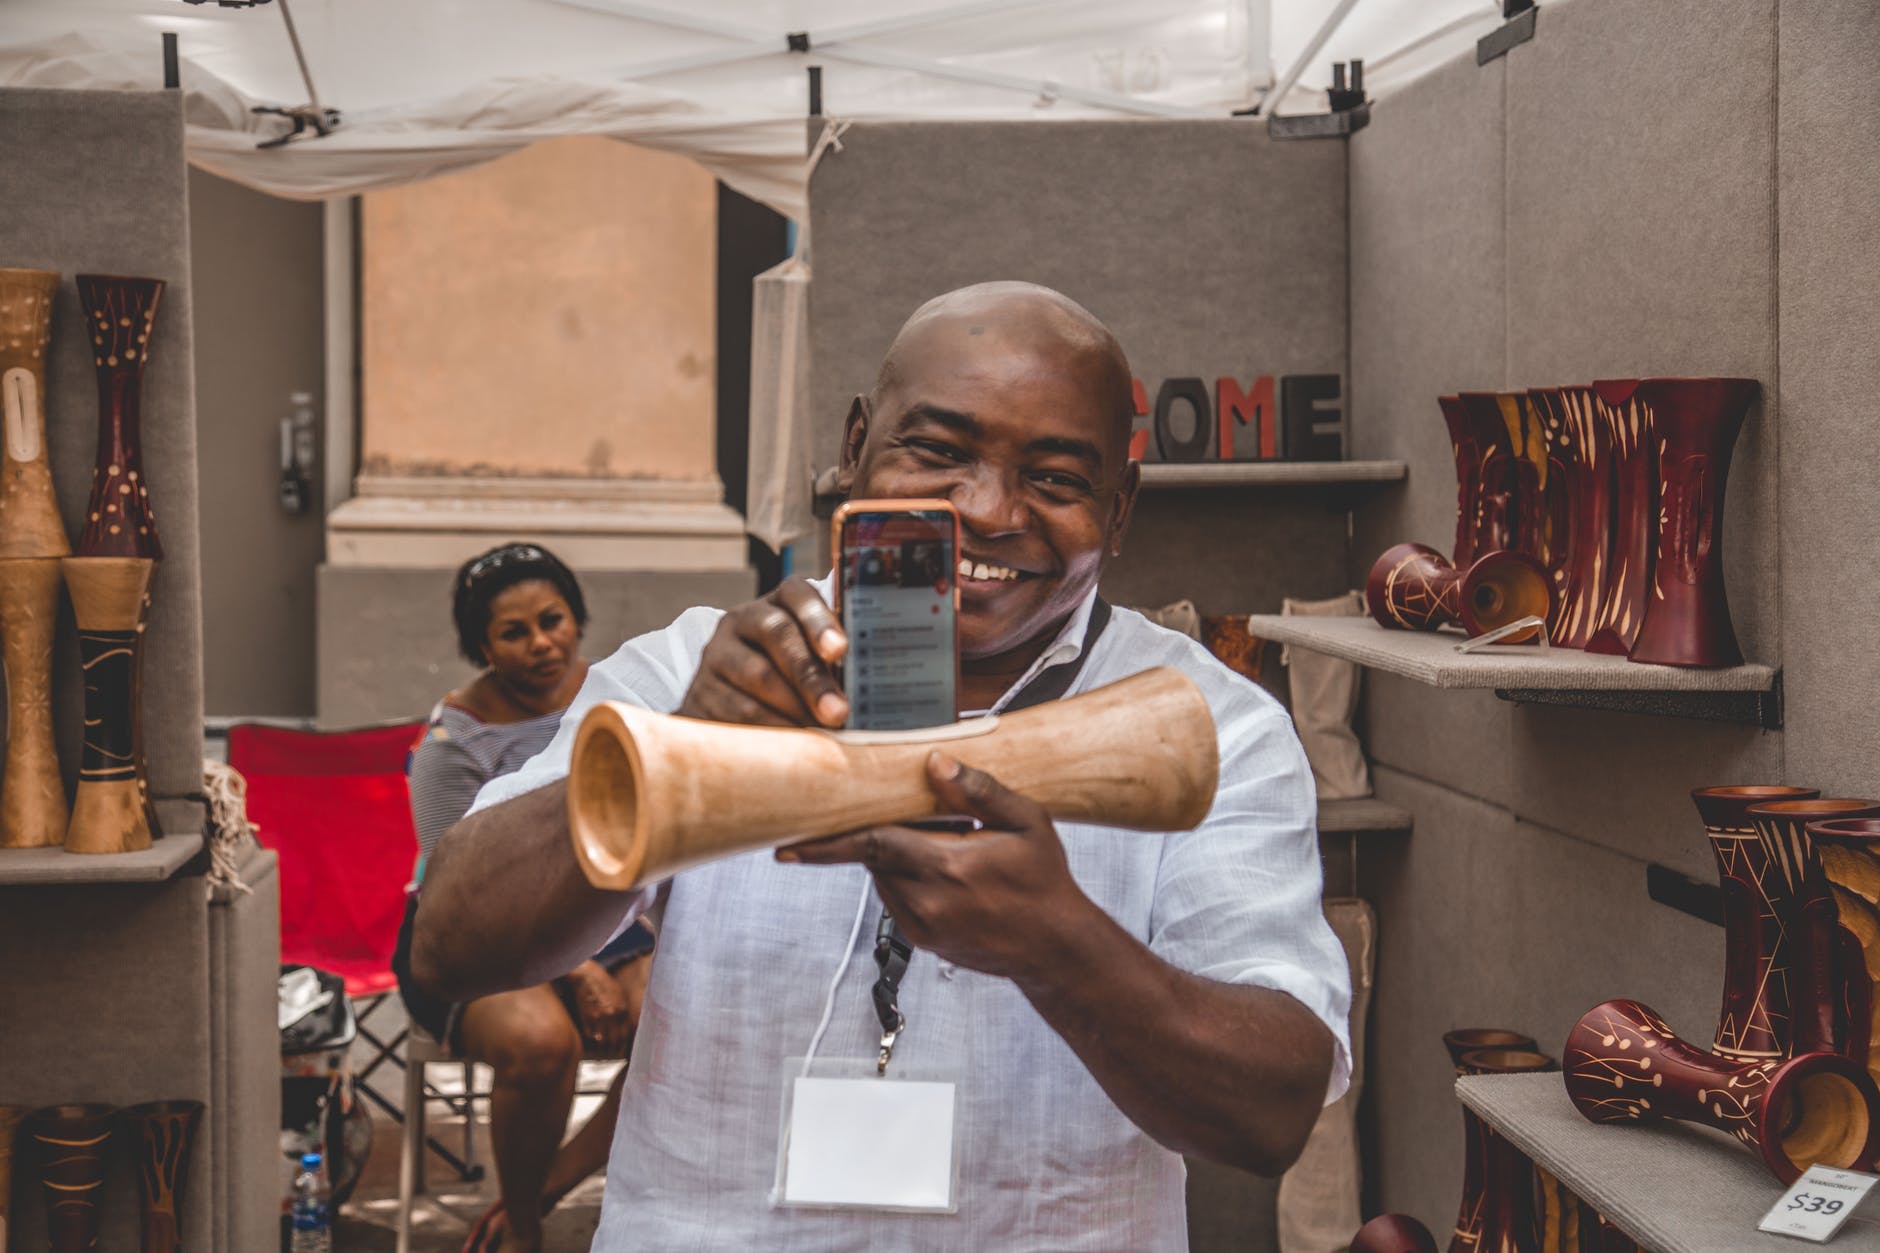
(980, 570)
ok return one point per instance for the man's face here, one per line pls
(1019, 431)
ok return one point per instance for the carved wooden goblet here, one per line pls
(71, 1140)
(1624, 1065)
(1828, 1011)
(166, 1134)
(1413, 587)
(1754, 1023)
(649, 795)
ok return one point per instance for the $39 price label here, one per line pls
(1818, 1203)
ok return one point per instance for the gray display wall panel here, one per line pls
(107, 999)
(244, 965)
(389, 650)
(101, 189)
(1828, 156)
(1207, 248)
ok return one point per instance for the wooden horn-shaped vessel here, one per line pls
(32, 539)
(1413, 587)
(650, 795)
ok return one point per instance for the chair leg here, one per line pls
(470, 1118)
(411, 1152)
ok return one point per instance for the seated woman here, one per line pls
(519, 615)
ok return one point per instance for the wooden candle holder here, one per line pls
(32, 539)
(650, 795)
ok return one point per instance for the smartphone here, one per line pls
(897, 594)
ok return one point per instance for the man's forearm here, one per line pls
(505, 904)
(1227, 1072)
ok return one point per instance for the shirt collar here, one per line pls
(1065, 647)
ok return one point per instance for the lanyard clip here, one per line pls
(888, 1038)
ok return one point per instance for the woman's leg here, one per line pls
(586, 1151)
(528, 1039)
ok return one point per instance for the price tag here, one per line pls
(1818, 1203)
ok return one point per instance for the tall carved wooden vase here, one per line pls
(110, 574)
(166, 1134)
(1687, 617)
(1849, 849)
(1485, 1163)
(1754, 1024)
(71, 1140)
(1580, 480)
(1630, 442)
(32, 540)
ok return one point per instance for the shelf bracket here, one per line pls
(1703, 901)
(1754, 709)
(1517, 30)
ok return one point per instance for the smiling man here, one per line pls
(1103, 1001)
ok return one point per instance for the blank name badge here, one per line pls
(854, 1139)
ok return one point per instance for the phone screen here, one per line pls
(897, 571)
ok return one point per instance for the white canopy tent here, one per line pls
(426, 86)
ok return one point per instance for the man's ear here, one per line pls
(854, 435)
(1123, 507)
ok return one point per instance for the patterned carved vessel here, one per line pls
(1695, 421)
(110, 575)
(32, 539)
(1467, 451)
(1754, 1022)
(10, 1118)
(1476, 1134)
(1828, 1012)
(166, 1134)
(1512, 1210)
(1412, 587)
(1849, 851)
(71, 1141)
(1623, 1064)
(1632, 445)
(1497, 473)
(1579, 492)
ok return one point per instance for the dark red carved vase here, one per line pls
(166, 1134)
(1849, 850)
(1695, 423)
(1483, 1152)
(1828, 1011)
(1754, 1022)
(71, 1142)
(1510, 1221)
(1631, 445)
(1412, 587)
(1467, 451)
(119, 313)
(1623, 1064)
(1579, 496)
(1393, 1233)
(1494, 526)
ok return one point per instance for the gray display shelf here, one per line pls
(1749, 693)
(1673, 1187)
(1270, 473)
(1359, 816)
(164, 857)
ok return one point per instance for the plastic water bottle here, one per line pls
(312, 1224)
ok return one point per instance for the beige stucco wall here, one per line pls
(547, 314)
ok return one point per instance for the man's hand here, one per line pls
(606, 1018)
(999, 900)
(768, 664)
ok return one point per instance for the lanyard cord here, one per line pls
(892, 951)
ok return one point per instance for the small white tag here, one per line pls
(1818, 1203)
(876, 1143)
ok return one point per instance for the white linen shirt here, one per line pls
(748, 947)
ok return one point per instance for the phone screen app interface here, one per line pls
(897, 596)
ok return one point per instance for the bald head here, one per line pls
(1024, 317)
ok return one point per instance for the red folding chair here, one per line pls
(336, 807)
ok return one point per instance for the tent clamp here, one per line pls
(305, 118)
(1518, 29)
(798, 40)
(1350, 110)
